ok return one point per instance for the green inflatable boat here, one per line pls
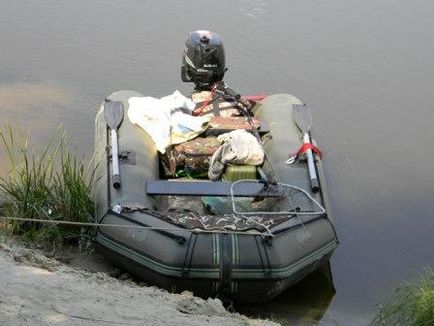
(247, 236)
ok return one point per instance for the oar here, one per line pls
(114, 113)
(303, 119)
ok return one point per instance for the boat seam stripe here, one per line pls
(214, 272)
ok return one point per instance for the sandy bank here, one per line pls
(36, 290)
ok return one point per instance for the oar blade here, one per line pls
(302, 117)
(113, 113)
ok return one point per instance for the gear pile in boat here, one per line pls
(214, 136)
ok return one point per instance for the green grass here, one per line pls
(412, 305)
(48, 183)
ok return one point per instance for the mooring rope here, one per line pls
(23, 219)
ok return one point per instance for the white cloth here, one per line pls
(167, 120)
(239, 147)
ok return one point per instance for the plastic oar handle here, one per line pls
(114, 114)
(116, 178)
(116, 181)
(311, 165)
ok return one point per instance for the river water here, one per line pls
(365, 68)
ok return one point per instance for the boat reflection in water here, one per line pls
(304, 303)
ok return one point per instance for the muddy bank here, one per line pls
(37, 290)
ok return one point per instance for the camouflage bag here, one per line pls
(211, 105)
(190, 158)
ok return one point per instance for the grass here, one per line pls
(48, 184)
(412, 305)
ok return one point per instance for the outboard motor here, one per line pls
(203, 60)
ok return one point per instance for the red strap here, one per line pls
(199, 110)
(306, 146)
(255, 97)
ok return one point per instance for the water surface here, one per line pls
(365, 68)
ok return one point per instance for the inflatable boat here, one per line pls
(247, 236)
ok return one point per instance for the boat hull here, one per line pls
(243, 266)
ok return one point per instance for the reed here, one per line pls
(412, 305)
(50, 183)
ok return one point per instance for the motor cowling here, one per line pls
(203, 59)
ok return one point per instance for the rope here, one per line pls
(322, 210)
(6, 218)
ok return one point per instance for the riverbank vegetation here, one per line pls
(412, 305)
(46, 183)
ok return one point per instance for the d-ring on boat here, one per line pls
(247, 235)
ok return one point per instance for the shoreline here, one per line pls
(38, 290)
